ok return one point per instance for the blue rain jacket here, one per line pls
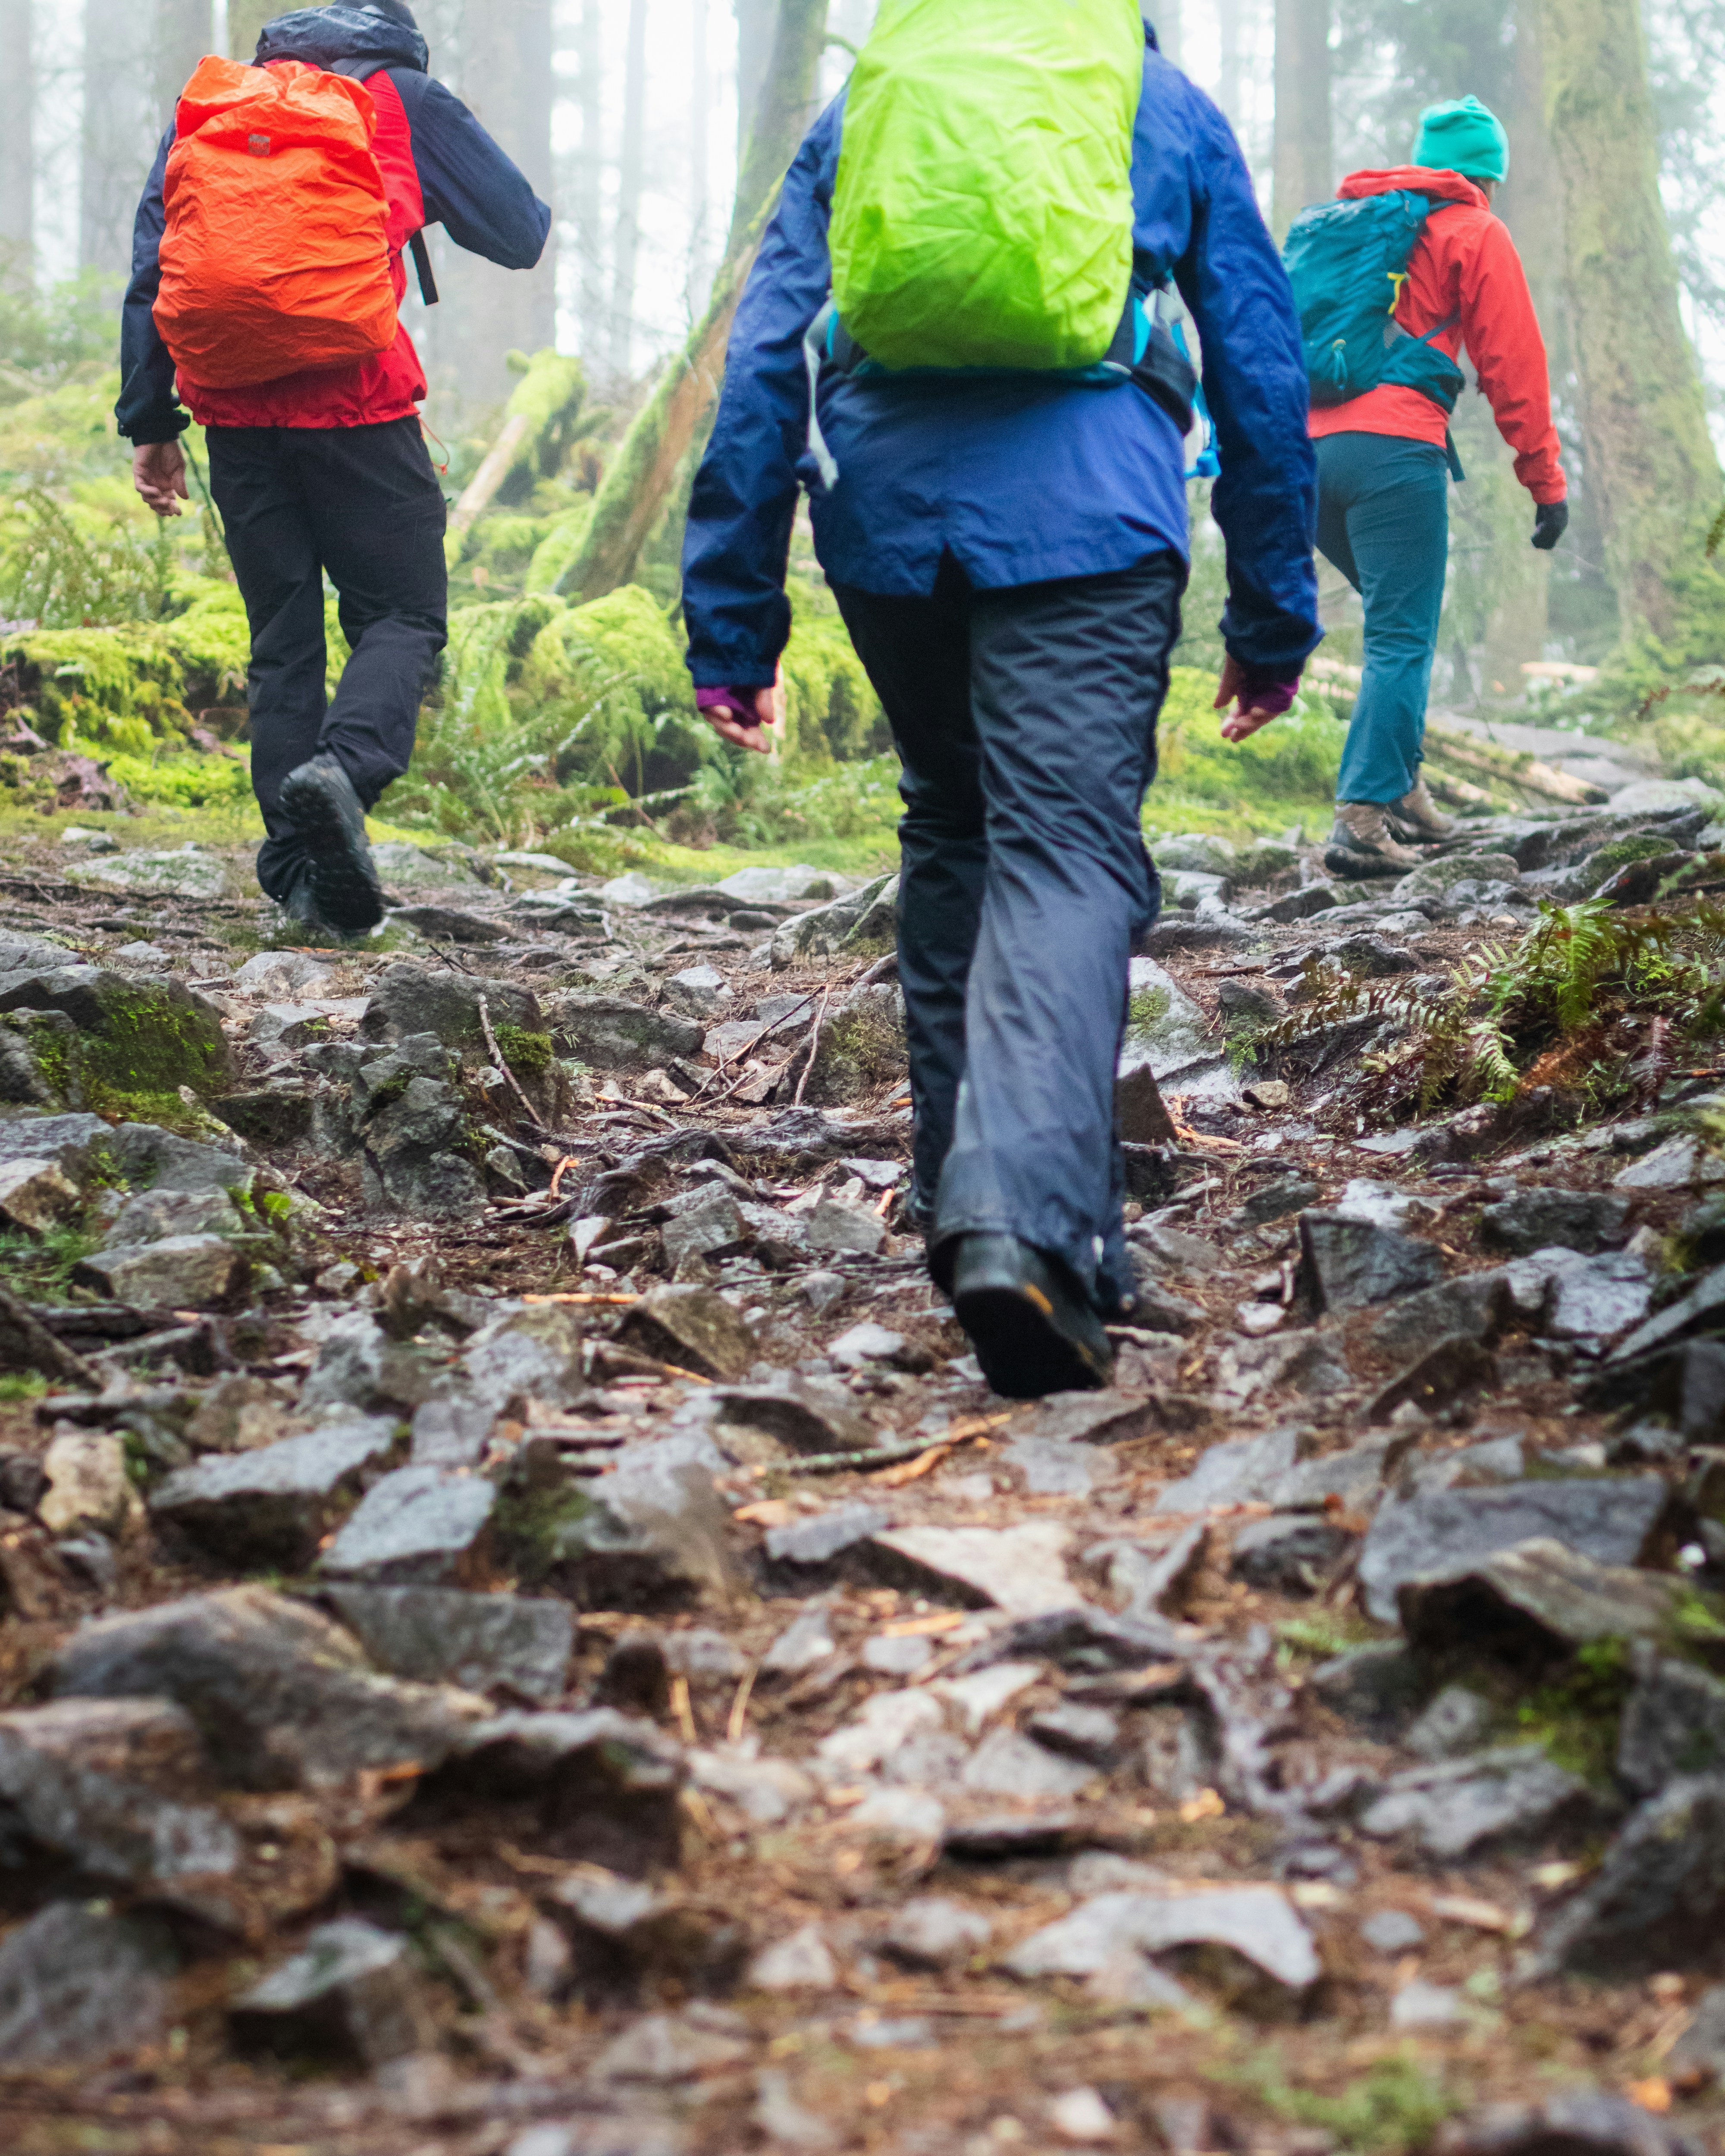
(1023, 480)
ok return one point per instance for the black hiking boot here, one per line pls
(340, 884)
(1032, 1332)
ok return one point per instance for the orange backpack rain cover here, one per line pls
(275, 256)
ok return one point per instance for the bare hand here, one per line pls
(158, 472)
(1249, 713)
(742, 720)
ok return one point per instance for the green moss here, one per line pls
(528, 1054)
(1284, 774)
(1398, 2103)
(22, 1385)
(1146, 1010)
(1325, 1633)
(1575, 1718)
(187, 781)
(530, 1525)
(40, 1267)
(150, 1045)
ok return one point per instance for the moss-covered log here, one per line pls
(1650, 457)
(538, 424)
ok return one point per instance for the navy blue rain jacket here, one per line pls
(469, 186)
(1022, 480)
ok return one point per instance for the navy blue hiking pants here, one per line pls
(363, 504)
(1025, 721)
(1384, 520)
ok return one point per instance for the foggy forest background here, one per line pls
(569, 405)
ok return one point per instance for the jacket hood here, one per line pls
(346, 40)
(1417, 179)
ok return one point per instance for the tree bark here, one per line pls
(245, 19)
(700, 104)
(183, 35)
(17, 143)
(755, 20)
(1643, 419)
(118, 139)
(1170, 31)
(626, 238)
(1304, 154)
(589, 178)
(537, 424)
(1230, 25)
(782, 111)
(508, 77)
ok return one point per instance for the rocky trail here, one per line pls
(524, 1632)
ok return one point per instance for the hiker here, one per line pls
(1384, 455)
(317, 461)
(1008, 545)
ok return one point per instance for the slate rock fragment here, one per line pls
(483, 1643)
(418, 1525)
(1257, 1923)
(1456, 1807)
(1545, 1218)
(1673, 1723)
(1612, 1519)
(1657, 1901)
(1535, 1601)
(825, 1536)
(804, 1414)
(1347, 1265)
(1288, 1553)
(650, 1535)
(692, 1328)
(352, 1995)
(532, 1354)
(275, 1505)
(78, 1985)
(408, 999)
(932, 1931)
(1018, 1569)
(624, 1931)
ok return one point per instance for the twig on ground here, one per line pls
(813, 1046)
(885, 1455)
(498, 1058)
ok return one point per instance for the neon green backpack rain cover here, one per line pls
(982, 214)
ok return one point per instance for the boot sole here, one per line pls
(1362, 868)
(1023, 1353)
(344, 884)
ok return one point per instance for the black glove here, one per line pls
(1551, 521)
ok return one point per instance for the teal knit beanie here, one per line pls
(1462, 136)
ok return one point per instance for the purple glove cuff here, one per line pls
(738, 700)
(1272, 698)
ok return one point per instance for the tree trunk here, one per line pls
(508, 77)
(625, 245)
(1228, 80)
(1170, 31)
(17, 143)
(782, 111)
(536, 426)
(589, 180)
(755, 20)
(118, 139)
(183, 35)
(701, 103)
(245, 19)
(1643, 420)
(1305, 135)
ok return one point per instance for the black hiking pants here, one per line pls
(362, 504)
(1025, 721)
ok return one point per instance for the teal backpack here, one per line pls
(1347, 262)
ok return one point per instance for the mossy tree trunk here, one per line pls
(17, 136)
(1650, 457)
(1304, 133)
(645, 468)
(245, 19)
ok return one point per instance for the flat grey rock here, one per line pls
(1456, 1807)
(1018, 1569)
(352, 1991)
(273, 1505)
(1543, 1219)
(827, 1535)
(483, 1643)
(1239, 1470)
(1597, 1299)
(1348, 1265)
(1536, 1597)
(1259, 1923)
(932, 1931)
(652, 1534)
(1657, 1901)
(534, 1353)
(1611, 1519)
(80, 1985)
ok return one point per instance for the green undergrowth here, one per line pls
(1284, 774)
(39, 1268)
(1396, 2104)
(1574, 1717)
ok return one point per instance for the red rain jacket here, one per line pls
(1464, 263)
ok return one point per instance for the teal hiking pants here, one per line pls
(1384, 520)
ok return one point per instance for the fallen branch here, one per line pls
(882, 1455)
(813, 1046)
(498, 1058)
(27, 1344)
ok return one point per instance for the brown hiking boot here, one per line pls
(1416, 819)
(1361, 845)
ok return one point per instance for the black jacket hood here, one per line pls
(346, 40)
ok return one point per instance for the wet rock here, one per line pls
(837, 1229)
(1287, 1554)
(34, 1195)
(112, 1785)
(1673, 1723)
(1258, 1924)
(531, 1354)
(931, 1930)
(408, 999)
(1702, 1310)
(1007, 1764)
(79, 1985)
(88, 1486)
(707, 1223)
(482, 1643)
(1597, 1299)
(1347, 1265)
(280, 1694)
(360, 1366)
(1575, 2121)
(831, 927)
(804, 1961)
(1456, 1723)
(188, 1272)
(1379, 1689)
(1532, 1601)
(693, 1328)
(1454, 1807)
(622, 1930)
(1241, 1470)
(1613, 1520)
(652, 1534)
(351, 1994)
(806, 1640)
(1545, 1219)
(1392, 1932)
(828, 1535)
(1657, 1899)
(1018, 1569)
(1452, 1368)
(803, 1414)
(663, 2049)
(425, 1526)
(274, 1506)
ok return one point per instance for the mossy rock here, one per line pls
(860, 1050)
(134, 1037)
